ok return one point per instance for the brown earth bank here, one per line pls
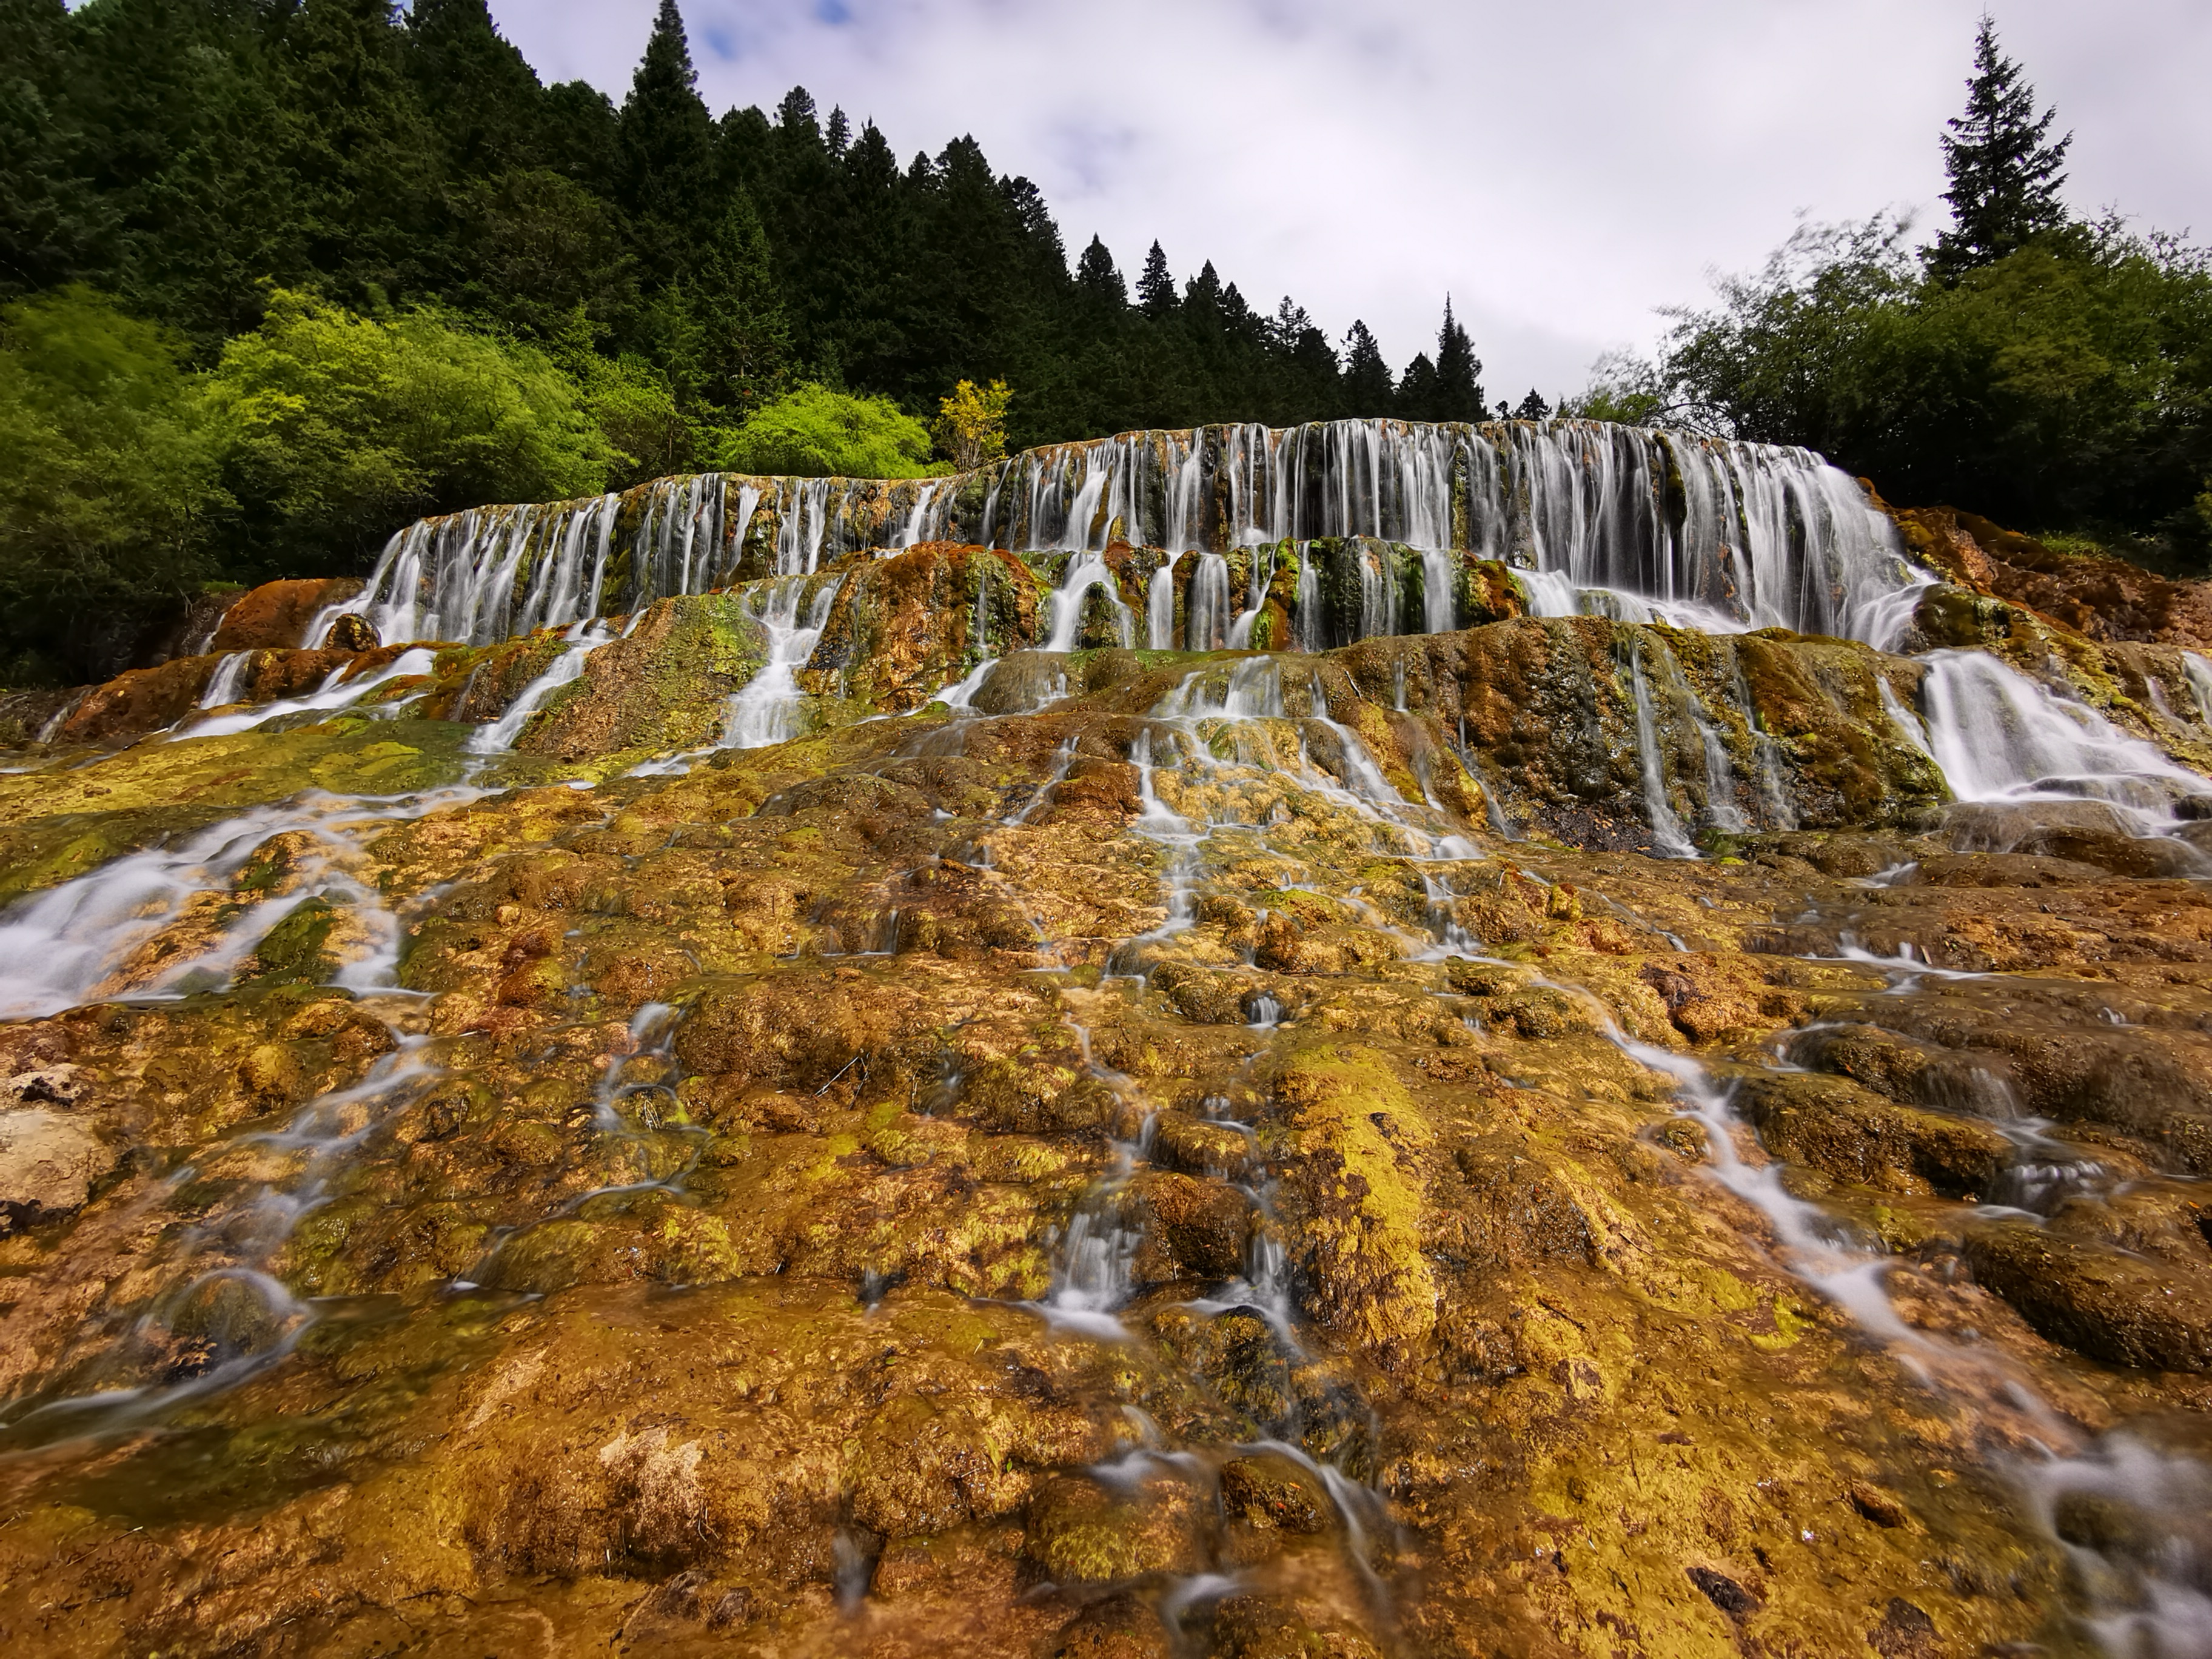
(1096, 1173)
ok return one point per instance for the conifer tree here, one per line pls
(1099, 282)
(1417, 390)
(665, 143)
(1156, 291)
(1459, 385)
(1367, 388)
(485, 94)
(46, 211)
(364, 152)
(2004, 171)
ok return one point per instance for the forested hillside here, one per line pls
(417, 277)
(185, 155)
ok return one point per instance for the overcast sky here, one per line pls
(1561, 168)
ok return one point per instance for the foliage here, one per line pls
(2063, 386)
(812, 432)
(2004, 171)
(188, 154)
(105, 480)
(335, 428)
(1623, 387)
(970, 427)
(1446, 389)
(2045, 373)
(388, 270)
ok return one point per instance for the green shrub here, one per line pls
(105, 483)
(336, 429)
(816, 433)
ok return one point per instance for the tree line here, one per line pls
(285, 252)
(2052, 374)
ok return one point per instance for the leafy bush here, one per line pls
(2065, 385)
(105, 483)
(971, 423)
(336, 429)
(816, 433)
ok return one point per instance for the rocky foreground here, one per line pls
(1152, 1154)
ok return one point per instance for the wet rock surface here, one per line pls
(1132, 1153)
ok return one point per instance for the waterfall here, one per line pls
(1998, 736)
(767, 710)
(222, 686)
(1206, 610)
(499, 736)
(1640, 525)
(336, 692)
(1378, 593)
(1084, 572)
(1263, 572)
(1311, 636)
(1666, 833)
(1439, 575)
(915, 532)
(1159, 609)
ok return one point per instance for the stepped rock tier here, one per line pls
(1719, 533)
(1530, 1039)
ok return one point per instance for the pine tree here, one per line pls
(364, 152)
(746, 348)
(1201, 295)
(1459, 385)
(1155, 289)
(484, 94)
(1098, 281)
(665, 168)
(1367, 388)
(2004, 173)
(1533, 407)
(49, 215)
(1417, 390)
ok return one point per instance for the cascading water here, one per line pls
(1667, 832)
(341, 688)
(1205, 614)
(224, 685)
(1159, 609)
(132, 927)
(766, 711)
(499, 736)
(1755, 536)
(1263, 571)
(1086, 571)
(1999, 737)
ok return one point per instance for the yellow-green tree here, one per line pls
(970, 427)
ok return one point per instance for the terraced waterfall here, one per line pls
(1535, 1038)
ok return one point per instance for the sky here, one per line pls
(1561, 168)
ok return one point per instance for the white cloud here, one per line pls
(1561, 169)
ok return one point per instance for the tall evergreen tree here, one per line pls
(364, 153)
(1099, 282)
(49, 213)
(666, 171)
(1417, 390)
(1155, 290)
(186, 123)
(2004, 170)
(1458, 395)
(485, 94)
(1367, 388)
